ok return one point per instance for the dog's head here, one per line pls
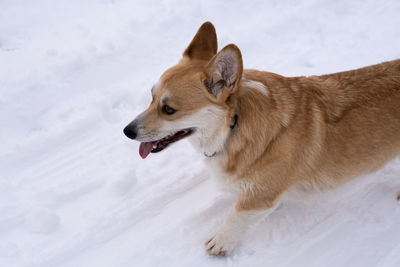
(196, 98)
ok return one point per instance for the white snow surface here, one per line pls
(74, 190)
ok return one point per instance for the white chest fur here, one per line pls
(224, 181)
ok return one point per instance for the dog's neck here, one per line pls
(234, 121)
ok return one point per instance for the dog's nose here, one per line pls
(130, 131)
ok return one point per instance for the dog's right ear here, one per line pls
(224, 72)
(204, 44)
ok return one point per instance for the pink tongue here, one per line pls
(145, 148)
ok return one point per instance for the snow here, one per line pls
(41, 220)
(74, 190)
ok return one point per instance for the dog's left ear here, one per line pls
(204, 44)
(224, 71)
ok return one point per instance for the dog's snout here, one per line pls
(130, 131)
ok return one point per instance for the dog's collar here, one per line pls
(232, 126)
(234, 121)
(210, 156)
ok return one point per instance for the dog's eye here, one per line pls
(168, 110)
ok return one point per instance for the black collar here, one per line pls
(210, 156)
(233, 125)
(234, 121)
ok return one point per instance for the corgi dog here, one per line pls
(263, 135)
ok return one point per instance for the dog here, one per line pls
(264, 135)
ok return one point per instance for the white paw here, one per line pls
(220, 244)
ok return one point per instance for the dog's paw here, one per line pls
(220, 245)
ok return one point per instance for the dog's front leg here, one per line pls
(246, 213)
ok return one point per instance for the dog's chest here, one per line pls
(224, 181)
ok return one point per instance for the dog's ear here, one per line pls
(204, 44)
(224, 71)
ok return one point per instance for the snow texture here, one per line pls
(74, 190)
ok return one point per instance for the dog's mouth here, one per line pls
(159, 145)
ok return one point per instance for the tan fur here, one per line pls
(318, 130)
(307, 131)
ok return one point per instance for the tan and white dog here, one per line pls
(263, 134)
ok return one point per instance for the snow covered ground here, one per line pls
(74, 190)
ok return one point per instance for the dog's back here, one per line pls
(352, 119)
(369, 86)
(363, 132)
(326, 129)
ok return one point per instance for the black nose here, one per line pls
(130, 131)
